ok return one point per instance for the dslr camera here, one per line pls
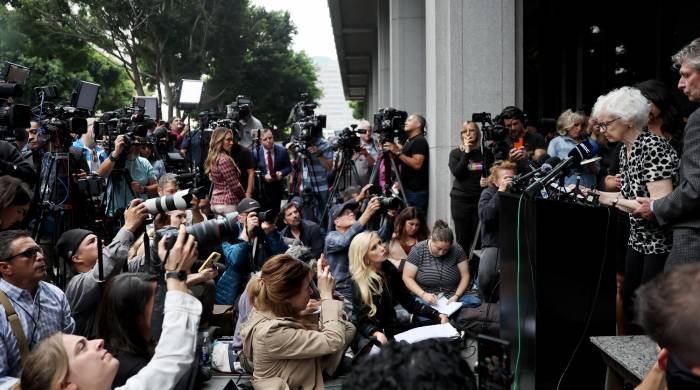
(208, 233)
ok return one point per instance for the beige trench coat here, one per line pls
(281, 347)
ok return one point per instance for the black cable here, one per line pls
(593, 303)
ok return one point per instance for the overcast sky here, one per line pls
(313, 22)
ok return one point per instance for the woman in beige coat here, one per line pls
(285, 343)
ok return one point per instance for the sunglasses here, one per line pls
(30, 253)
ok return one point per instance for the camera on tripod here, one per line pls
(348, 140)
(210, 118)
(493, 135)
(389, 123)
(306, 124)
(13, 115)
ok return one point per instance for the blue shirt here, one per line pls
(101, 155)
(40, 316)
(141, 171)
(314, 174)
(194, 148)
(560, 147)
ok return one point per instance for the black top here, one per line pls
(310, 235)
(488, 215)
(393, 292)
(12, 163)
(130, 364)
(241, 155)
(411, 179)
(467, 170)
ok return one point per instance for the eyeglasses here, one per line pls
(604, 125)
(30, 254)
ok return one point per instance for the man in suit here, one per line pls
(273, 163)
(680, 209)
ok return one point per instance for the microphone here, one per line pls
(583, 151)
(520, 180)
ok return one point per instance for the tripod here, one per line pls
(390, 172)
(302, 165)
(344, 173)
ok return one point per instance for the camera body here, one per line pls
(494, 135)
(349, 140)
(389, 123)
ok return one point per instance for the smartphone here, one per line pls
(214, 257)
(519, 143)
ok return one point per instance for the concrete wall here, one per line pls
(407, 54)
(471, 67)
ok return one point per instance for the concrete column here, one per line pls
(383, 51)
(471, 66)
(407, 60)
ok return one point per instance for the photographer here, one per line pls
(308, 232)
(273, 163)
(414, 162)
(524, 145)
(259, 240)
(168, 185)
(368, 154)
(320, 159)
(136, 180)
(94, 154)
(78, 248)
(177, 128)
(338, 241)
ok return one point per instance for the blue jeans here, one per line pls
(418, 199)
(467, 300)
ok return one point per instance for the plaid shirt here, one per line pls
(45, 313)
(315, 175)
(226, 178)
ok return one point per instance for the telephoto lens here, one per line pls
(178, 201)
(208, 233)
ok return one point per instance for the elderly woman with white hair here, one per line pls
(648, 168)
(571, 126)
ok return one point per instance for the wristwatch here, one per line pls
(179, 275)
(114, 159)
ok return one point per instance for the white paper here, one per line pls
(446, 308)
(375, 350)
(427, 332)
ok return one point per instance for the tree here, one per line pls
(358, 109)
(57, 61)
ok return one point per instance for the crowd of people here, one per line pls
(314, 286)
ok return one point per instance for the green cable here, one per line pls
(516, 377)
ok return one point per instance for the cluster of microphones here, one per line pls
(547, 180)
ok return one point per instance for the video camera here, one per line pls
(348, 140)
(13, 115)
(306, 125)
(210, 118)
(389, 123)
(493, 135)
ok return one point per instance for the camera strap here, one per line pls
(15, 325)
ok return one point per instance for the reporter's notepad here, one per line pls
(427, 332)
(446, 308)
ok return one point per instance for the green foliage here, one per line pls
(358, 109)
(55, 60)
(241, 49)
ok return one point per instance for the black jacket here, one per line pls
(467, 170)
(488, 215)
(393, 293)
(311, 236)
(12, 163)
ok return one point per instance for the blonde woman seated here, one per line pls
(283, 348)
(377, 288)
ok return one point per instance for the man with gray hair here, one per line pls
(367, 156)
(680, 209)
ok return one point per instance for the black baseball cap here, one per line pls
(247, 205)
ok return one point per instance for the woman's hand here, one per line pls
(381, 337)
(312, 307)
(444, 319)
(326, 283)
(454, 298)
(430, 298)
(484, 182)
